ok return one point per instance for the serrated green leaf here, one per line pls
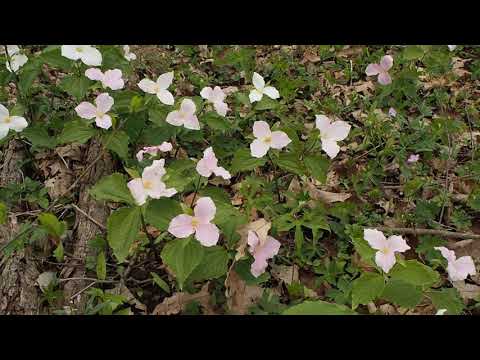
(123, 226)
(112, 188)
(76, 131)
(58, 252)
(413, 52)
(54, 227)
(318, 308)
(366, 288)
(415, 273)
(160, 282)
(117, 142)
(39, 137)
(317, 166)
(76, 86)
(217, 122)
(243, 161)
(214, 264)
(402, 293)
(291, 163)
(447, 299)
(160, 212)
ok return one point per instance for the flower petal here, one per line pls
(94, 74)
(330, 147)
(255, 95)
(165, 80)
(271, 92)
(104, 102)
(138, 192)
(384, 78)
(280, 140)
(86, 110)
(18, 123)
(252, 240)
(220, 171)
(191, 122)
(385, 261)
(397, 243)
(221, 108)
(188, 106)
(373, 69)
(181, 226)
(258, 148)
(205, 210)
(206, 93)
(322, 123)
(203, 168)
(207, 234)
(258, 81)
(148, 86)
(91, 56)
(375, 238)
(70, 52)
(3, 112)
(104, 122)
(4, 129)
(261, 129)
(165, 97)
(446, 253)
(16, 62)
(258, 267)
(174, 118)
(386, 63)
(461, 268)
(140, 155)
(338, 130)
(113, 79)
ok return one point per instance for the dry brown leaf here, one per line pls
(326, 196)
(364, 87)
(176, 303)
(240, 296)
(261, 227)
(310, 56)
(467, 291)
(350, 50)
(73, 151)
(124, 291)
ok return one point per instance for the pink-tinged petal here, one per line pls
(255, 95)
(338, 130)
(261, 129)
(169, 192)
(104, 102)
(262, 253)
(218, 95)
(174, 118)
(397, 243)
(385, 261)
(220, 171)
(205, 210)
(258, 267)
(158, 189)
(165, 80)
(181, 226)
(384, 78)
(413, 158)
(138, 192)
(91, 56)
(203, 168)
(279, 140)
(386, 63)
(86, 110)
(4, 129)
(221, 108)
(210, 158)
(375, 238)
(104, 122)
(373, 69)
(446, 253)
(206, 93)
(322, 123)
(258, 148)
(3, 112)
(392, 112)
(113, 79)
(271, 92)
(330, 147)
(140, 155)
(156, 170)
(252, 240)
(461, 268)
(165, 97)
(165, 146)
(148, 86)
(18, 123)
(188, 106)
(94, 74)
(191, 122)
(258, 81)
(207, 234)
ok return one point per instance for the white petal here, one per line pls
(279, 140)
(91, 56)
(330, 147)
(3, 130)
(174, 118)
(138, 192)
(165, 80)
(18, 123)
(397, 243)
(3, 112)
(258, 148)
(261, 129)
(188, 106)
(255, 95)
(70, 52)
(322, 123)
(385, 261)
(375, 238)
(258, 81)
(206, 93)
(165, 97)
(338, 130)
(148, 86)
(271, 92)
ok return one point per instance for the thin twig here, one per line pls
(88, 217)
(444, 233)
(88, 279)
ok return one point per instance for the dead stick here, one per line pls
(448, 234)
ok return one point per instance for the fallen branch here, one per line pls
(448, 234)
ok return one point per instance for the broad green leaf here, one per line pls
(415, 273)
(76, 86)
(160, 212)
(76, 131)
(413, 52)
(28, 74)
(243, 269)
(39, 137)
(160, 282)
(214, 264)
(266, 104)
(361, 245)
(317, 166)
(123, 226)
(3, 213)
(54, 227)
(318, 308)
(290, 162)
(180, 173)
(54, 58)
(243, 161)
(112, 188)
(402, 293)
(101, 266)
(217, 122)
(117, 141)
(447, 299)
(367, 288)
(59, 252)
(182, 256)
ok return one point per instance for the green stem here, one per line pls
(151, 239)
(275, 177)
(196, 190)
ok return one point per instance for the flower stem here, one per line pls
(196, 190)
(275, 177)
(150, 237)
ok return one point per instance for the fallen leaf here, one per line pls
(326, 196)
(240, 296)
(176, 303)
(45, 279)
(467, 291)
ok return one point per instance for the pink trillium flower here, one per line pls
(392, 112)
(206, 233)
(7, 122)
(385, 256)
(381, 70)
(184, 116)
(215, 96)
(104, 103)
(331, 133)
(153, 150)
(413, 158)
(127, 54)
(458, 269)
(260, 89)
(208, 165)
(266, 139)
(261, 252)
(150, 184)
(86, 53)
(159, 88)
(111, 78)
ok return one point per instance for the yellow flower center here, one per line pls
(267, 139)
(100, 114)
(195, 222)
(79, 49)
(8, 120)
(386, 251)
(147, 184)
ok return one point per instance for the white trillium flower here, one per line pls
(127, 54)
(266, 139)
(458, 269)
(86, 53)
(17, 59)
(452, 47)
(331, 133)
(215, 96)
(103, 104)
(159, 88)
(110, 79)
(150, 184)
(260, 89)
(7, 122)
(185, 116)
(385, 256)
(209, 164)
(441, 312)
